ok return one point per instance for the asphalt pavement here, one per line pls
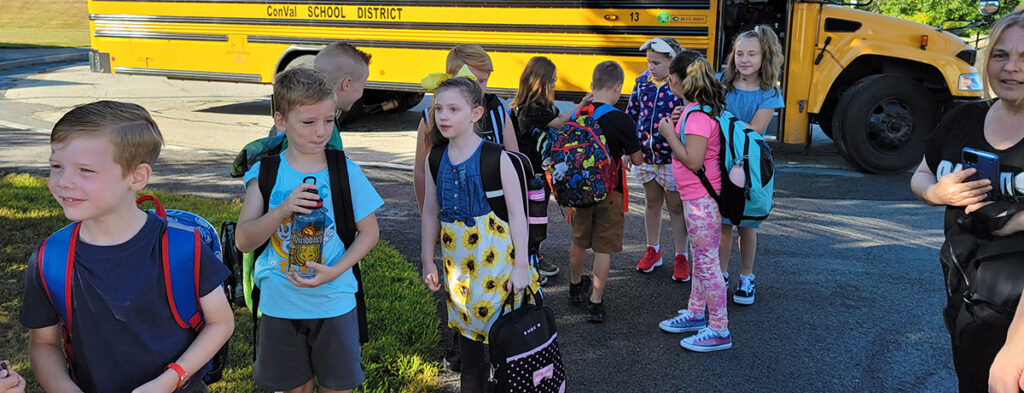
(848, 295)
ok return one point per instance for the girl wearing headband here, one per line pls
(651, 101)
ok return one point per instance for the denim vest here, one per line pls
(460, 191)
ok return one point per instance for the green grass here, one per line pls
(34, 23)
(402, 314)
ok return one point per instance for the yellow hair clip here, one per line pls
(432, 81)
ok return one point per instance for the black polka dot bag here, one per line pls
(524, 348)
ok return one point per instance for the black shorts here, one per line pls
(293, 351)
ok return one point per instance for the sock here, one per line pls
(726, 275)
(684, 254)
(656, 247)
(750, 277)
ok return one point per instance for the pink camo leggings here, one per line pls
(704, 227)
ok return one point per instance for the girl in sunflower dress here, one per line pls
(477, 248)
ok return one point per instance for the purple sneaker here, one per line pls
(684, 322)
(708, 340)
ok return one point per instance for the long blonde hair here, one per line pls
(697, 81)
(535, 84)
(472, 55)
(1013, 19)
(771, 58)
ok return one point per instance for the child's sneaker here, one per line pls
(745, 292)
(708, 340)
(577, 291)
(595, 312)
(651, 260)
(546, 268)
(681, 272)
(684, 322)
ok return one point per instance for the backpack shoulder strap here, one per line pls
(498, 118)
(345, 224)
(180, 259)
(56, 262)
(490, 175)
(603, 110)
(337, 169)
(700, 172)
(514, 119)
(266, 179)
(434, 160)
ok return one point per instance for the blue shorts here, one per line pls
(755, 226)
(290, 352)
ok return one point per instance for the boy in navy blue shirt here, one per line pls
(123, 332)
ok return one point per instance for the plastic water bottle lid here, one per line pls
(314, 191)
(737, 177)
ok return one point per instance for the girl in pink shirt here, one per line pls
(696, 143)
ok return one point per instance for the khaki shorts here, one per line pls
(599, 227)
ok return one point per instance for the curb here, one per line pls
(379, 165)
(9, 65)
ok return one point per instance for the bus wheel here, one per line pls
(881, 122)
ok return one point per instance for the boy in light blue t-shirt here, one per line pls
(309, 331)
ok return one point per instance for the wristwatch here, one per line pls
(182, 375)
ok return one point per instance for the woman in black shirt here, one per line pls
(995, 126)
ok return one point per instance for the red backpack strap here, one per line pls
(180, 265)
(56, 262)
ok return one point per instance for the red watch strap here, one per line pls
(182, 375)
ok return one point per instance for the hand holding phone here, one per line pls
(987, 166)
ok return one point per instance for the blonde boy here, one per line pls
(600, 227)
(309, 332)
(124, 335)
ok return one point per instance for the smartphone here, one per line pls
(987, 165)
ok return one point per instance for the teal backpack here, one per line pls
(745, 149)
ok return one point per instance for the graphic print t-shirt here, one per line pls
(964, 127)
(282, 299)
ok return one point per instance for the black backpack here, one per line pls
(984, 273)
(344, 216)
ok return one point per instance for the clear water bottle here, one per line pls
(307, 237)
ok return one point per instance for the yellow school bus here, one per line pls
(875, 84)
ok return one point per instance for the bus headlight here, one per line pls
(969, 82)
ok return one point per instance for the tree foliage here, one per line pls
(934, 12)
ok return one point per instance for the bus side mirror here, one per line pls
(988, 7)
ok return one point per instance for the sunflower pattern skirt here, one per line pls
(477, 262)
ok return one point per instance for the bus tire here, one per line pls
(881, 122)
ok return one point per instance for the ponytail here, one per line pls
(697, 81)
